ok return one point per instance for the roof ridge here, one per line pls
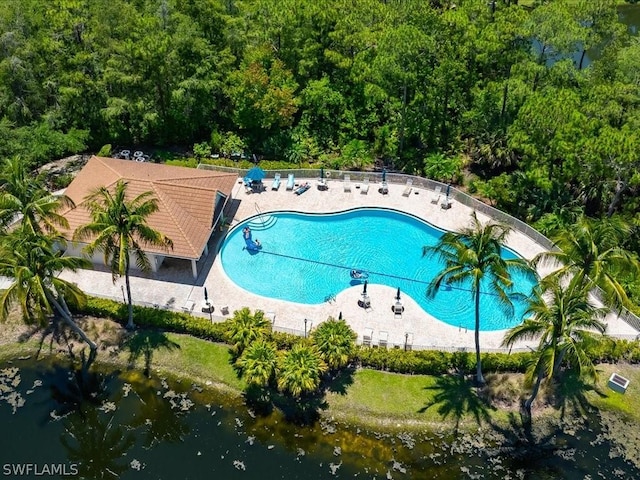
(195, 187)
(171, 204)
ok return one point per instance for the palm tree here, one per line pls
(563, 318)
(23, 195)
(591, 255)
(245, 328)
(120, 230)
(33, 262)
(474, 256)
(299, 369)
(258, 363)
(336, 342)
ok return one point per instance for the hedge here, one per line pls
(157, 318)
(420, 362)
(435, 362)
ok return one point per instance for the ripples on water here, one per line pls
(129, 426)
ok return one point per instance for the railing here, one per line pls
(400, 178)
(260, 214)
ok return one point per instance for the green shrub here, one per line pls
(505, 362)
(153, 317)
(183, 162)
(284, 341)
(105, 151)
(435, 362)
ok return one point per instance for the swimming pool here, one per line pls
(307, 258)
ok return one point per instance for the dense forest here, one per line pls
(497, 95)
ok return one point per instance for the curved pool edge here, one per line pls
(389, 278)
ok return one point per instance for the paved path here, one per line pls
(174, 286)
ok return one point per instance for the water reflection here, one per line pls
(97, 444)
(129, 426)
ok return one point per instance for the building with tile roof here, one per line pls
(190, 203)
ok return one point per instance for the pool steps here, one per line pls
(262, 222)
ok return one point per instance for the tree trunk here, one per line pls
(402, 123)
(479, 377)
(620, 188)
(505, 93)
(130, 324)
(584, 53)
(534, 394)
(73, 325)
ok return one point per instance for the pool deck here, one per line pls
(174, 286)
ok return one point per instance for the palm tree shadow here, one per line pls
(570, 395)
(97, 444)
(73, 387)
(302, 411)
(339, 381)
(521, 445)
(143, 343)
(456, 396)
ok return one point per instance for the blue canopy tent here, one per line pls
(254, 177)
(255, 174)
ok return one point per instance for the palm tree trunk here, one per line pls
(130, 324)
(479, 377)
(73, 325)
(534, 394)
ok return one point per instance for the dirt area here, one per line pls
(106, 333)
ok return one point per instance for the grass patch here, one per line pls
(194, 358)
(382, 397)
(23, 349)
(606, 399)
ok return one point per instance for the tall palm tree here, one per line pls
(33, 262)
(562, 318)
(473, 257)
(246, 328)
(336, 342)
(23, 195)
(258, 363)
(120, 230)
(300, 369)
(590, 254)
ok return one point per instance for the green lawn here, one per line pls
(368, 396)
(606, 398)
(388, 397)
(193, 357)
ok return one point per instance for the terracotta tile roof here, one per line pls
(186, 198)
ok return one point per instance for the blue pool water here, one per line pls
(306, 258)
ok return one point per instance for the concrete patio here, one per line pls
(173, 286)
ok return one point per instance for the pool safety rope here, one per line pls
(388, 275)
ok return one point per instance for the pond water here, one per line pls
(628, 15)
(127, 426)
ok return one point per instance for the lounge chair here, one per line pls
(437, 193)
(408, 188)
(276, 182)
(366, 336)
(291, 181)
(365, 186)
(302, 188)
(347, 183)
(188, 306)
(383, 340)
